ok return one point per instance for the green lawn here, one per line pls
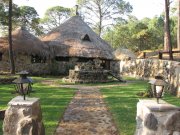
(122, 102)
(53, 102)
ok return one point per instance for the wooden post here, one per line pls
(160, 55)
(144, 55)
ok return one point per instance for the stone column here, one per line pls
(157, 119)
(23, 117)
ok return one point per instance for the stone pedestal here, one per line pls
(157, 119)
(23, 117)
(91, 76)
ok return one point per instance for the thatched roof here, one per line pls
(75, 38)
(121, 54)
(25, 43)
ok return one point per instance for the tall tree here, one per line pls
(100, 13)
(21, 16)
(4, 15)
(11, 58)
(29, 18)
(54, 16)
(178, 29)
(167, 35)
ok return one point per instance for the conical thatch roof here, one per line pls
(75, 38)
(24, 42)
(121, 54)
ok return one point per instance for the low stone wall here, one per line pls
(157, 119)
(7, 80)
(149, 68)
(84, 76)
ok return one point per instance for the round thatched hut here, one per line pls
(30, 53)
(122, 54)
(74, 41)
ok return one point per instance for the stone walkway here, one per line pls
(86, 114)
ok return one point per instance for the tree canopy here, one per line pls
(29, 18)
(21, 16)
(139, 35)
(100, 13)
(54, 16)
(4, 14)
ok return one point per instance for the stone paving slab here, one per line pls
(86, 114)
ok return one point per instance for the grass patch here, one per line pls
(171, 99)
(122, 101)
(111, 82)
(53, 102)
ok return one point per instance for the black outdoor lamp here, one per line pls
(23, 84)
(157, 86)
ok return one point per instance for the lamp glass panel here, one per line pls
(159, 89)
(25, 87)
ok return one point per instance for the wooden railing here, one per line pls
(159, 53)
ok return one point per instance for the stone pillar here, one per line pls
(157, 119)
(23, 117)
(178, 80)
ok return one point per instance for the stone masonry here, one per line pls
(23, 117)
(88, 76)
(149, 68)
(89, 72)
(157, 119)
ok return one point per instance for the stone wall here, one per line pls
(62, 67)
(83, 76)
(7, 80)
(53, 67)
(149, 68)
(157, 119)
(88, 72)
(23, 62)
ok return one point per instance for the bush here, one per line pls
(148, 93)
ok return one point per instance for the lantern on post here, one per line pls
(157, 87)
(23, 84)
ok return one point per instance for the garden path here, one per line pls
(87, 114)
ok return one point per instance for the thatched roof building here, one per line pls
(121, 54)
(24, 43)
(75, 38)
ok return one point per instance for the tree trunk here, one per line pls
(167, 35)
(100, 20)
(11, 59)
(178, 29)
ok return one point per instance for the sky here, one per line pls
(141, 8)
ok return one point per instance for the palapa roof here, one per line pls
(122, 53)
(25, 43)
(74, 38)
